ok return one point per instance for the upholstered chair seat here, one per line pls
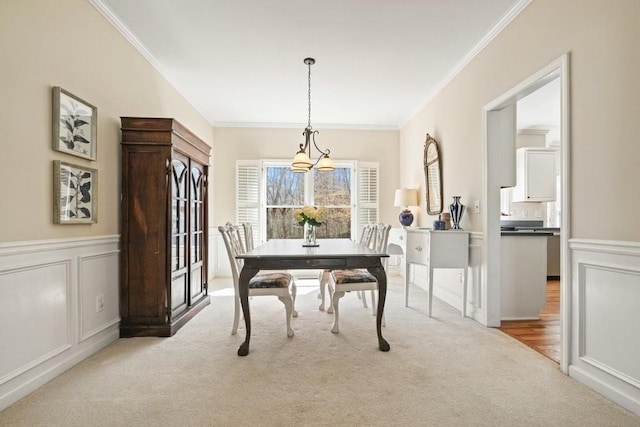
(341, 277)
(270, 280)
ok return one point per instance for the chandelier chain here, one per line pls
(309, 93)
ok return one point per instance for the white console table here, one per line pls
(434, 249)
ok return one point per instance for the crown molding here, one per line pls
(124, 30)
(321, 126)
(497, 29)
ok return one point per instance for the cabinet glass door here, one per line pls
(197, 236)
(179, 210)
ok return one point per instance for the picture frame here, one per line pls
(75, 125)
(75, 194)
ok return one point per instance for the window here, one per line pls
(268, 192)
(284, 192)
(333, 190)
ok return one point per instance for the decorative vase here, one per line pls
(310, 235)
(406, 217)
(456, 209)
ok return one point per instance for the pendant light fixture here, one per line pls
(302, 160)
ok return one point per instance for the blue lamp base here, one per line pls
(406, 217)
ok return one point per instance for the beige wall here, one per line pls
(259, 143)
(602, 38)
(68, 43)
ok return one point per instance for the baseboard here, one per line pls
(615, 395)
(30, 382)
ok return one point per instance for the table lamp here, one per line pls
(406, 197)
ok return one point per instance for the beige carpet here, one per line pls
(444, 371)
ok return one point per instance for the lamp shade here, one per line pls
(406, 197)
(325, 164)
(301, 160)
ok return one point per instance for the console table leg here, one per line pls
(430, 290)
(406, 284)
(464, 293)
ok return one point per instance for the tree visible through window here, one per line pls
(333, 191)
(286, 191)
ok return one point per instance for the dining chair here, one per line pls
(280, 284)
(379, 242)
(248, 235)
(342, 281)
(365, 239)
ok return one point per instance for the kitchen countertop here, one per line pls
(526, 228)
(528, 233)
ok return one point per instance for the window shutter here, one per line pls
(367, 197)
(248, 195)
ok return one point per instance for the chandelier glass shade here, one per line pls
(302, 160)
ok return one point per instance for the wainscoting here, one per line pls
(58, 305)
(605, 319)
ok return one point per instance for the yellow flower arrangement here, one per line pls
(310, 215)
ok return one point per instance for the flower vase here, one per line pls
(310, 235)
(456, 209)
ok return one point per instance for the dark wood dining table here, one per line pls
(289, 254)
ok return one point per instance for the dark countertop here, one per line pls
(527, 233)
(526, 228)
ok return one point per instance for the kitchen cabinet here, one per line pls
(164, 226)
(553, 256)
(536, 176)
(523, 280)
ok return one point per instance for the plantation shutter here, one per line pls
(367, 195)
(248, 195)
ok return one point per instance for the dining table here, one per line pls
(291, 254)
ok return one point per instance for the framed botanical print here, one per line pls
(75, 194)
(75, 125)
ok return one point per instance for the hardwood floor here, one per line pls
(541, 335)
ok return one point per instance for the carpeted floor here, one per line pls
(443, 371)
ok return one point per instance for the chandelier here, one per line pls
(302, 160)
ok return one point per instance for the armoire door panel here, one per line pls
(145, 234)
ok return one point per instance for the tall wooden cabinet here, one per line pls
(164, 226)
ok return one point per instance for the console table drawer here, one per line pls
(397, 244)
(418, 248)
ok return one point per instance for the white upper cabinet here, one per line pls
(535, 175)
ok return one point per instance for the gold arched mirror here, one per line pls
(433, 176)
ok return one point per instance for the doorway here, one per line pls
(499, 171)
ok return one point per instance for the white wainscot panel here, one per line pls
(99, 300)
(35, 313)
(48, 291)
(605, 320)
(611, 331)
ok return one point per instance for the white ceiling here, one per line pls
(241, 62)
